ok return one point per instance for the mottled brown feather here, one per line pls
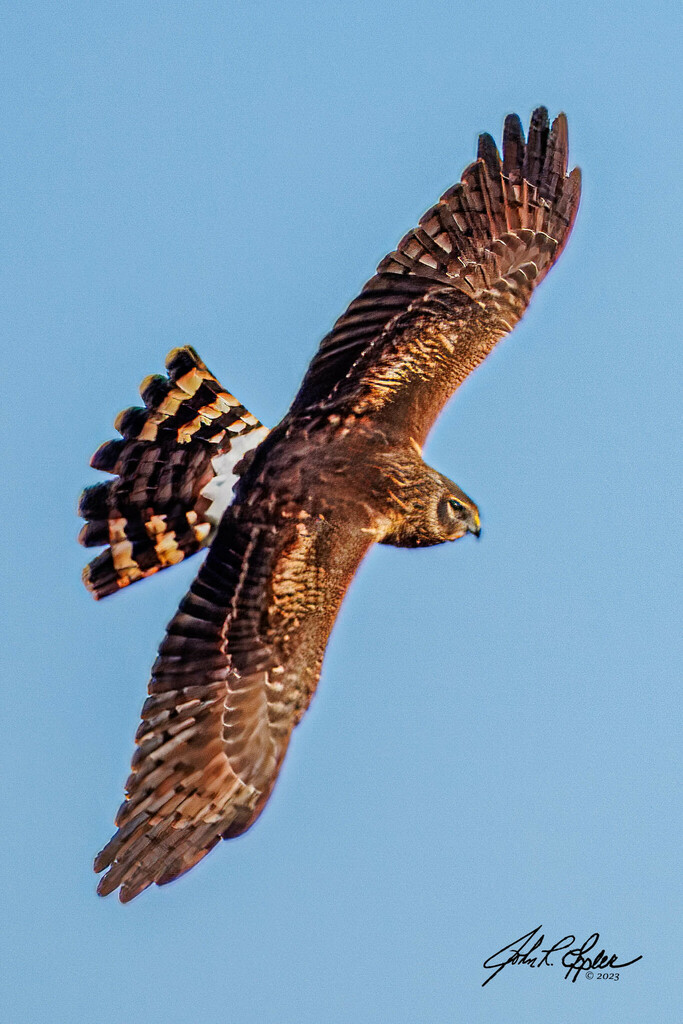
(469, 268)
(241, 657)
(152, 514)
(227, 689)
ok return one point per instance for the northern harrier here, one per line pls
(343, 469)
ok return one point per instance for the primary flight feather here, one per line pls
(289, 513)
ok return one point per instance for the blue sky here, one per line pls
(493, 744)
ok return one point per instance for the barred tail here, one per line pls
(174, 474)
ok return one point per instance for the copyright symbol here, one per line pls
(589, 974)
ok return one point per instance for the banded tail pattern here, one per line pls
(173, 474)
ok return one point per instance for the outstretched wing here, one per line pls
(235, 673)
(456, 284)
(173, 474)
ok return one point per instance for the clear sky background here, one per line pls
(493, 743)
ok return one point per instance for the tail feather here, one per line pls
(173, 474)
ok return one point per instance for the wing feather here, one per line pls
(241, 657)
(455, 285)
(235, 672)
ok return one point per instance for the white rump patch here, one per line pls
(219, 490)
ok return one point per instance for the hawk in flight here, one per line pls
(289, 513)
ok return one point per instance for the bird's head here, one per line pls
(426, 507)
(455, 513)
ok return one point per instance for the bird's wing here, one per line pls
(236, 671)
(175, 454)
(456, 284)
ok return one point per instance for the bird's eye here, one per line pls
(447, 511)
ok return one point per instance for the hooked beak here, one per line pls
(475, 528)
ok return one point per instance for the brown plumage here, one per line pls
(242, 655)
(153, 514)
